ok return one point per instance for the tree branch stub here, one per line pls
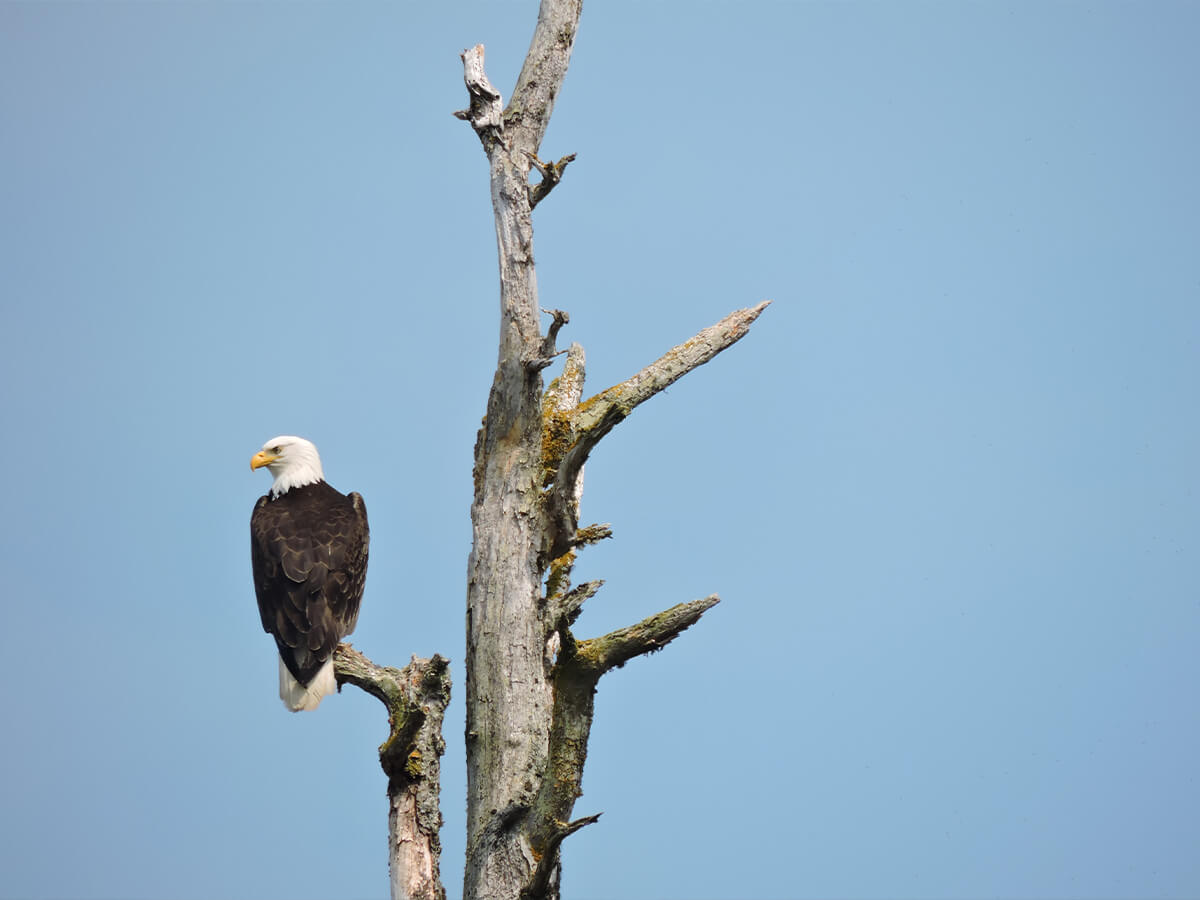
(547, 353)
(416, 698)
(579, 429)
(486, 112)
(579, 668)
(547, 873)
(551, 173)
(613, 650)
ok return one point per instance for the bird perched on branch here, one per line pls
(308, 548)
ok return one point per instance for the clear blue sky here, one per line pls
(948, 487)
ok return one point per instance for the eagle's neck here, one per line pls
(296, 475)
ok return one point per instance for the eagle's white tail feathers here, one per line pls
(296, 696)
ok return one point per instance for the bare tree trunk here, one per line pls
(530, 682)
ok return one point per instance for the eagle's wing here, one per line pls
(309, 557)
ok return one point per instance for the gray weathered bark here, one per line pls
(416, 698)
(530, 682)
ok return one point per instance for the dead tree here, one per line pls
(529, 680)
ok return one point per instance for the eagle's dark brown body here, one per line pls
(308, 548)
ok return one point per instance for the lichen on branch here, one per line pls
(572, 432)
(416, 698)
(529, 682)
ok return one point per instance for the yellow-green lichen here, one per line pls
(558, 436)
(559, 579)
(413, 766)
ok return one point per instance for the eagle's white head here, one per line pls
(292, 460)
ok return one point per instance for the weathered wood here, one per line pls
(487, 108)
(551, 173)
(416, 698)
(508, 692)
(530, 682)
(578, 429)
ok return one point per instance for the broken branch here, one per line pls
(649, 635)
(416, 698)
(582, 428)
(486, 112)
(551, 173)
(547, 352)
(549, 863)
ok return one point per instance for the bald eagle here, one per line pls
(308, 549)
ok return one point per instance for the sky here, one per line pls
(946, 488)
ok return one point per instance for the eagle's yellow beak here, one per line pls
(260, 459)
